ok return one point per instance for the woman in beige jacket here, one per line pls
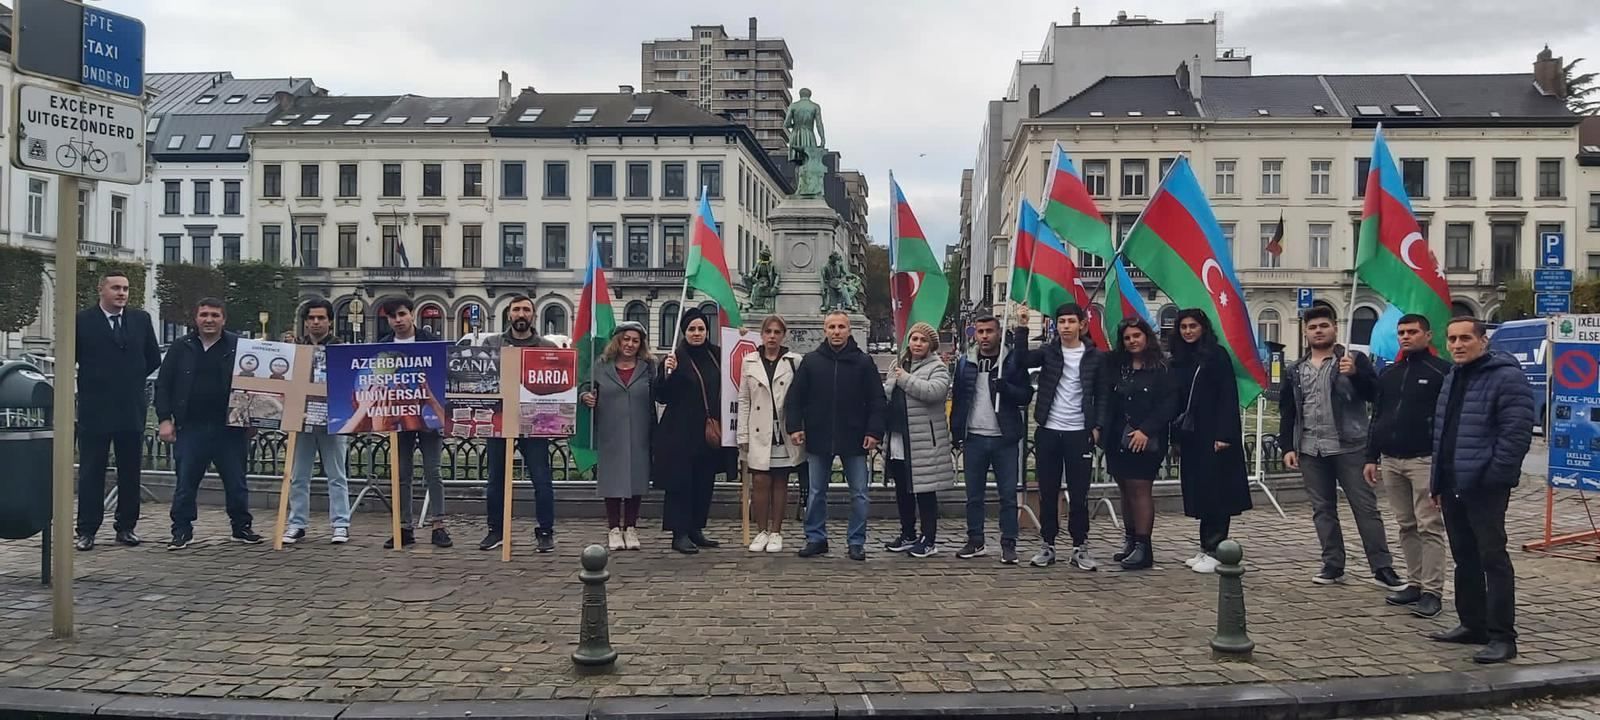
(763, 444)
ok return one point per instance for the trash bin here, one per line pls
(25, 453)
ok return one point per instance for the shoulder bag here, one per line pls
(713, 429)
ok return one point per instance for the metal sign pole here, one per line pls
(66, 408)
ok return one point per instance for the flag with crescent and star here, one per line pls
(1180, 246)
(1392, 257)
(1043, 275)
(916, 279)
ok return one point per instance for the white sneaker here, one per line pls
(615, 540)
(340, 536)
(630, 539)
(774, 543)
(293, 535)
(1206, 565)
(760, 543)
(1197, 558)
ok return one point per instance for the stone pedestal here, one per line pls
(805, 231)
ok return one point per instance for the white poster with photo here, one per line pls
(736, 344)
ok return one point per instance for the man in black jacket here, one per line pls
(535, 451)
(986, 423)
(116, 352)
(1067, 416)
(1485, 426)
(835, 408)
(1399, 450)
(192, 405)
(404, 329)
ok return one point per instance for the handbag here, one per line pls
(1152, 443)
(1185, 421)
(713, 429)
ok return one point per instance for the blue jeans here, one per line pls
(198, 448)
(981, 453)
(308, 446)
(819, 469)
(536, 458)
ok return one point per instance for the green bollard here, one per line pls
(1231, 641)
(594, 634)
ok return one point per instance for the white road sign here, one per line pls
(71, 133)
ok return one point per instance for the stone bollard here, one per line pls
(594, 634)
(1231, 641)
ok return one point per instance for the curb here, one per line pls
(1343, 697)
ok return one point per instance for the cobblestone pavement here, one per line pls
(326, 622)
(1583, 708)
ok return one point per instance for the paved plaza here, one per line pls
(358, 623)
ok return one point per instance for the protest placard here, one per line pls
(546, 392)
(270, 384)
(472, 388)
(386, 387)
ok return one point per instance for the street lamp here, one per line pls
(264, 316)
(357, 310)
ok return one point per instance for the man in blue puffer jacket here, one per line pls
(1485, 413)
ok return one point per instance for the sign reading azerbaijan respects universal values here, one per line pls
(386, 387)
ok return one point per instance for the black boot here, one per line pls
(1127, 547)
(1141, 557)
(699, 539)
(681, 543)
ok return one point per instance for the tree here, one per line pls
(1581, 89)
(953, 269)
(875, 302)
(180, 286)
(89, 280)
(21, 287)
(255, 287)
(1519, 299)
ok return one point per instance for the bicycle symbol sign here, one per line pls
(85, 135)
(83, 152)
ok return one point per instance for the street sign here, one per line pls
(1545, 304)
(72, 133)
(1304, 297)
(113, 51)
(1550, 280)
(67, 41)
(1553, 249)
(1574, 424)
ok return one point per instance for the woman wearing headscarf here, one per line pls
(1140, 403)
(624, 418)
(688, 449)
(919, 439)
(768, 451)
(1210, 434)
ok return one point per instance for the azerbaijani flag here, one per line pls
(1070, 210)
(1122, 299)
(707, 271)
(1392, 257)
(1043, 275)
(596, 321)
(917, 280)
(1179, 245)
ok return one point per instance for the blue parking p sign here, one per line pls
(1553, 249)
(1303, 298)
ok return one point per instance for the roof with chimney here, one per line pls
(1589, 141)
(204, 116)
(605, 113)
(385, 113)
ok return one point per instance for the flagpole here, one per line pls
(894, 264)
(594, 308)
(1121, 242)
(683, 295)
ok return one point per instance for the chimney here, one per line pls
(752, 29)
(505, 92)
(1547, 74)
(1194, 78)
(1122, 16)
(1033, 101)
(1077, 17)
(625, 89)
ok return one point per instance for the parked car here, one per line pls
(1527, 341)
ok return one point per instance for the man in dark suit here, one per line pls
(116, 352)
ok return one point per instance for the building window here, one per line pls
(1504, 255)
(347, 246)
(555, 179)
(1135, 182)
(1097, 177)
(1162, 166)
(1227, 238)
(638, 244)
(310, 245)
(673, 180)
(171, 248)
(1321, 240)
(471, 246)
(555, 246)
(83, 214)
(272, 181)
(432, 180)
(1268, 260)
(1271, 177)
(472, 180)
(272, 243)
(711, 179)
(636, 312)
(1549, 179)
(391, 245)
(119, 220)
(1458, 247)
(603, 180)
(1593, 266)
(1505, 178)
(348, 180)
(1459, 182)
(1322, 177)
(231, 251)
(432, 246)
(605, 236)
(36, 192)
(310, 180)
(513, 244)
(1414, 175)
(171, 197)
(202, 197)
(674, 248)
(555, 319)
(668, 325)
(1268, 325)
(639, 180)
(230, 197)
(1594, 211)
(1225, 173)
(391, 180)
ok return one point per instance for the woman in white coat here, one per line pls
(919, 440)
(763, 443)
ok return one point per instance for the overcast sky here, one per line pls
(902, 84)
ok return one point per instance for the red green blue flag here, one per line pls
(1392, 257)
(1043, 275)
(1070, 209)
(1123, 300)
(920, 290)
(596, 321)
(707, 270)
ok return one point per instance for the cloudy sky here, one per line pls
(903, 84)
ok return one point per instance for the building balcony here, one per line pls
(104, 250)
(409, 274)
(519, 276)
(644, 277)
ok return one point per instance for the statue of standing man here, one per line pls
(807, 143)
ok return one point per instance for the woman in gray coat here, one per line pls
(919, 440)
(624, 414)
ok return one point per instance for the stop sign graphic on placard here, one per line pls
(736, 356)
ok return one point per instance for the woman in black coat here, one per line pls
(686, 464)
(1140, 403)
(1210, 434)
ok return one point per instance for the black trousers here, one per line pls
(913, 505)
(687, 502)
(94, 450)
(1058, 452)
(1486, 584)
(1213, 530)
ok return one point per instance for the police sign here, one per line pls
(72, 133)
